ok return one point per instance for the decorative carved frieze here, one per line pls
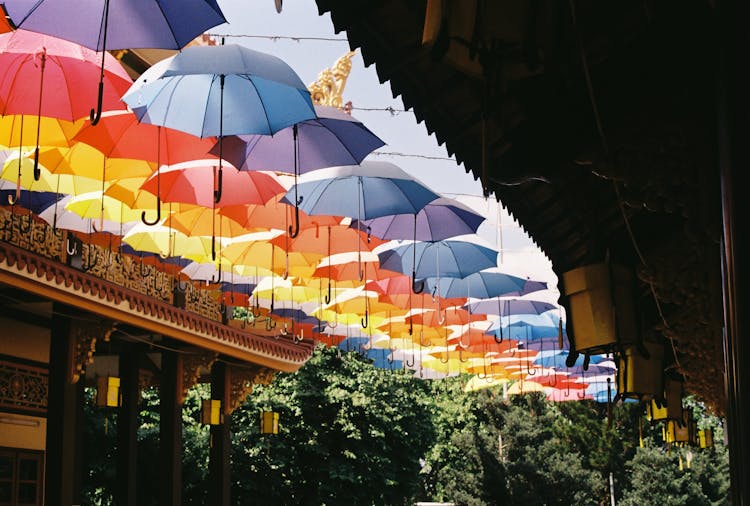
(242, 380)
(85, 334)
(23, 387)
(192, 365)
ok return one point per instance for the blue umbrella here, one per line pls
(166, 24)
(451, 258)
(366, 191)
(188, 92)
(440, 219)
(333, 138)
(480, 285)
(504, 307)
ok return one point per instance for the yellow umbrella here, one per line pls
(47, 182)
(52, 131)
(524, 387)
(167, 242)
(254, 250)
(198, 220)
(99, 206)
(83, 160)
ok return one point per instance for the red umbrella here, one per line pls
(119, 134)
(274, 214)
(45, 76)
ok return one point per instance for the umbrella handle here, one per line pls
(158, 216)
(328, 295)
(219, 186)
(294, 231)
(365, 321)
(500, 332)
(410, 364)
(37, 170)
(461, 356)
(421, 339)
(416, 286)
(96, 115)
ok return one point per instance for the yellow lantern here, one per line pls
(640, 376)
(269, 422)
(601, 306)
(211, 412)
(108, 391)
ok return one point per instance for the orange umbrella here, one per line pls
(273, 214)
(328, 240)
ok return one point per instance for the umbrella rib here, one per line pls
(265, 111)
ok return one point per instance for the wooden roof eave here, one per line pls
(42, 276)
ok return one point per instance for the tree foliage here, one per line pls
(353, 434)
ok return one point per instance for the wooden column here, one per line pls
(733, 115)
(170, 429)
(218, 467)
(127, 428)
(62, 468)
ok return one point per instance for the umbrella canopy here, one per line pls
(46, 76)
(274, 214)
(450, 258)
(136, 23)
(188, 92)
(194, 183)
(332, 138)
(119, 134)
(481, 284)
(498, 306)
(440, 219)
(365, 191)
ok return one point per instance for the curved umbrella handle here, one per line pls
(294, 231)
(500, 331)
(327, 298)
(96, 114)
(37, 170)
(416, 286)
(158, 215)
(365, 321)
(219, 185)
(413, 359)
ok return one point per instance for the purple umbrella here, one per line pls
(333, 138)
(165, 24)
(440, 219)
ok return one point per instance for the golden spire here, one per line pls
(329, 88)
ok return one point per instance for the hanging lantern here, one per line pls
(601, 307)
(706, 438)
(269, 422)
(108, 391)
(640, 376)
(211, 412)
(668, 407)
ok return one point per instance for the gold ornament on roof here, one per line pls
(329, 88)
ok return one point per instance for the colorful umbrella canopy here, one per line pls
(451, 258)
(187, 92)
(483, 284)
(275, 215)
(498, 306)
(332, 138)
(365, 191)
(139, 24)
(440, 219)
(43, 75)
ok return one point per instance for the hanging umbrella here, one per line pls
(58, 217)
(246, 255)
(274, 215)
(138, 24)
(450, 258)
(16, 132)
(187, 92)
(498, 306)
(331, 139)
(483, 284)
(440, 219)
(119, 134)
(58, 183)
(41, 75)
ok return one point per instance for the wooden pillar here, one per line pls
(127, 428)
(170, 429)
(218, 467)
(62, 468)
(733, 115)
